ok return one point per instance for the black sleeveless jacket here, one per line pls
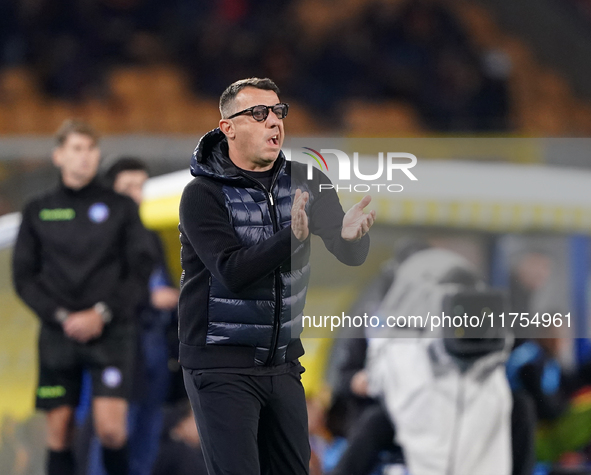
(242, 301)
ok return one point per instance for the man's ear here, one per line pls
(56, 157)
(227, 128)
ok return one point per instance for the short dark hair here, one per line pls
(228, 96)
(125, 164)
(75, 126)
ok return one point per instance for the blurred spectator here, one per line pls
(366, 423)
(451, 89)
(11, 36)
(73, 44)
(414, 51)
(530, 273)
(128, 30)
(408, 39)
(370, 444)
(326, 443)
(430, 384)
(81, 261)
(127, 176)
(534, 369)
(350, 382)
(582, 7)
(64, 48)
(492, 106)
(180, 445)
(558, 398)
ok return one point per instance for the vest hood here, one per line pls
(211, 159)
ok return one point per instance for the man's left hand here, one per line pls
(84, 326)
(355, 223)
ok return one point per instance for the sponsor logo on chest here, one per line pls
(57, 214)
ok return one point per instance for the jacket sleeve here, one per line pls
(350, 358)
(205, 224)
(549, 404)
(140, 257)
(26, 267)
(326, 220)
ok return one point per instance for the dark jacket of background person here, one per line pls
(245, 274)
(154, 326)
(77, 248)
(532, 369)
(180, 446)
(350, 350)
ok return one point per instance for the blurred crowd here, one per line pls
(582, 7)
(356, 430)
(410, 51)
(368, 426)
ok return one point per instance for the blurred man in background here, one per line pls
(82, 262)
(448, 397)
(180, 447)
(152, 376)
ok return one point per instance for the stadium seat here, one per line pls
(390, 119)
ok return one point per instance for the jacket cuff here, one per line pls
(61, 315)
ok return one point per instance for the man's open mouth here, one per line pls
(273, 140)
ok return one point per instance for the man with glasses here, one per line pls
(245, 222)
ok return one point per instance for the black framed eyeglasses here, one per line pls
(260, 113)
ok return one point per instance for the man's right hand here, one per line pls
(359, 383)
(84, 326)
(164, 298)
(299, 218)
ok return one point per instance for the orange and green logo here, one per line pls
(315, 157)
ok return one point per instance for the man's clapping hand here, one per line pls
(299, 218)
(355, 223)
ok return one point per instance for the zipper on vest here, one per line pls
(277, 319)
(277, 316)
(276, 322)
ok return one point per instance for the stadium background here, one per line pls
(147, 75)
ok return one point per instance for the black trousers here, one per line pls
(250, 425)
(523, 428)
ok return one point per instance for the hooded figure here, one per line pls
(452, 416)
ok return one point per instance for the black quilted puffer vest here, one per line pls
(262, 315)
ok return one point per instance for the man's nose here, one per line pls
(272, 119)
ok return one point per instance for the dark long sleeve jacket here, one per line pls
(76, 248)
(245, 275)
